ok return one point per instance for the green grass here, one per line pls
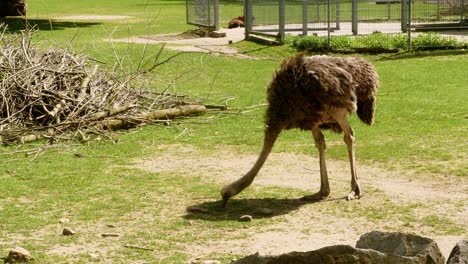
(420, 127)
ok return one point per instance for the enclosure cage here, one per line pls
(275, 18)
(329, 18)
(438, 14)
(203, 13)
(351, 17)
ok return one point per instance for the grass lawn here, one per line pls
(418, 144)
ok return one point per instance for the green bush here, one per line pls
(435, 41)
(375, 42)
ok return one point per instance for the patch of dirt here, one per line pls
(306, 229)
(300, 172)
(191, 42)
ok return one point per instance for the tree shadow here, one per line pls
(422, 54)
(16, 24)
(258, 208)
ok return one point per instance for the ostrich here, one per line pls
(316, 93)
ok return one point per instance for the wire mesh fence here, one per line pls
(331, 18)
(203, 13)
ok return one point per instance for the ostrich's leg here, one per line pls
(324, 185)
(349, 140)
(271, 134)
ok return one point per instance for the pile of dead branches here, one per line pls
(58, 95)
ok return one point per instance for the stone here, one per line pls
(338, 254)
(410, 247)
(373, 247)
(459, 254)
(246, 218)
(68, 232)
(18, 254)
(110, 235)
(64, 220)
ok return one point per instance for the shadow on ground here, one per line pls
(16, 24)
(422, 54)
(258, 208)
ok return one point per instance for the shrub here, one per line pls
(434, 41)
(375, 42)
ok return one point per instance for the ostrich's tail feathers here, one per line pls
(366, 109)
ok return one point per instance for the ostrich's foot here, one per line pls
(354, 194)
(316, 196)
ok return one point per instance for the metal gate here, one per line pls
(275, 18)
(203, 13)
(430, 15)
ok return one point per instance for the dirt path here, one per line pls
(308, 228)
(191, 42)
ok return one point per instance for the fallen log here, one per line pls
(123, 123)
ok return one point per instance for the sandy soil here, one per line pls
(190, 42)
(301, 231)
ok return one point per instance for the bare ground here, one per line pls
(308, 228)
(190, 42)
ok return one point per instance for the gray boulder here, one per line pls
(459, 254)
(374, 247)
(338, 254)
(410, 247)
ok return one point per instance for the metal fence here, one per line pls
(330, 18)
(202, 13)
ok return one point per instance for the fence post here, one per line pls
(186, 11)
(216, 14)
(247, 15)
(305, 18)
(408, 26)
(328, 23)
(404, 16)
(388, 10)
(209, 13)
(282, 22)
(317, 4)
(354, 15)
(337, 14)
(462, 11)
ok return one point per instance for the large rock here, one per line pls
(339, 254)
(374, 247)
(459, 254)
(407, 246)
(18, 254)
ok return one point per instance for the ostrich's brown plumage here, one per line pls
(316, 93)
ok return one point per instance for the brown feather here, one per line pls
(305, 89)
